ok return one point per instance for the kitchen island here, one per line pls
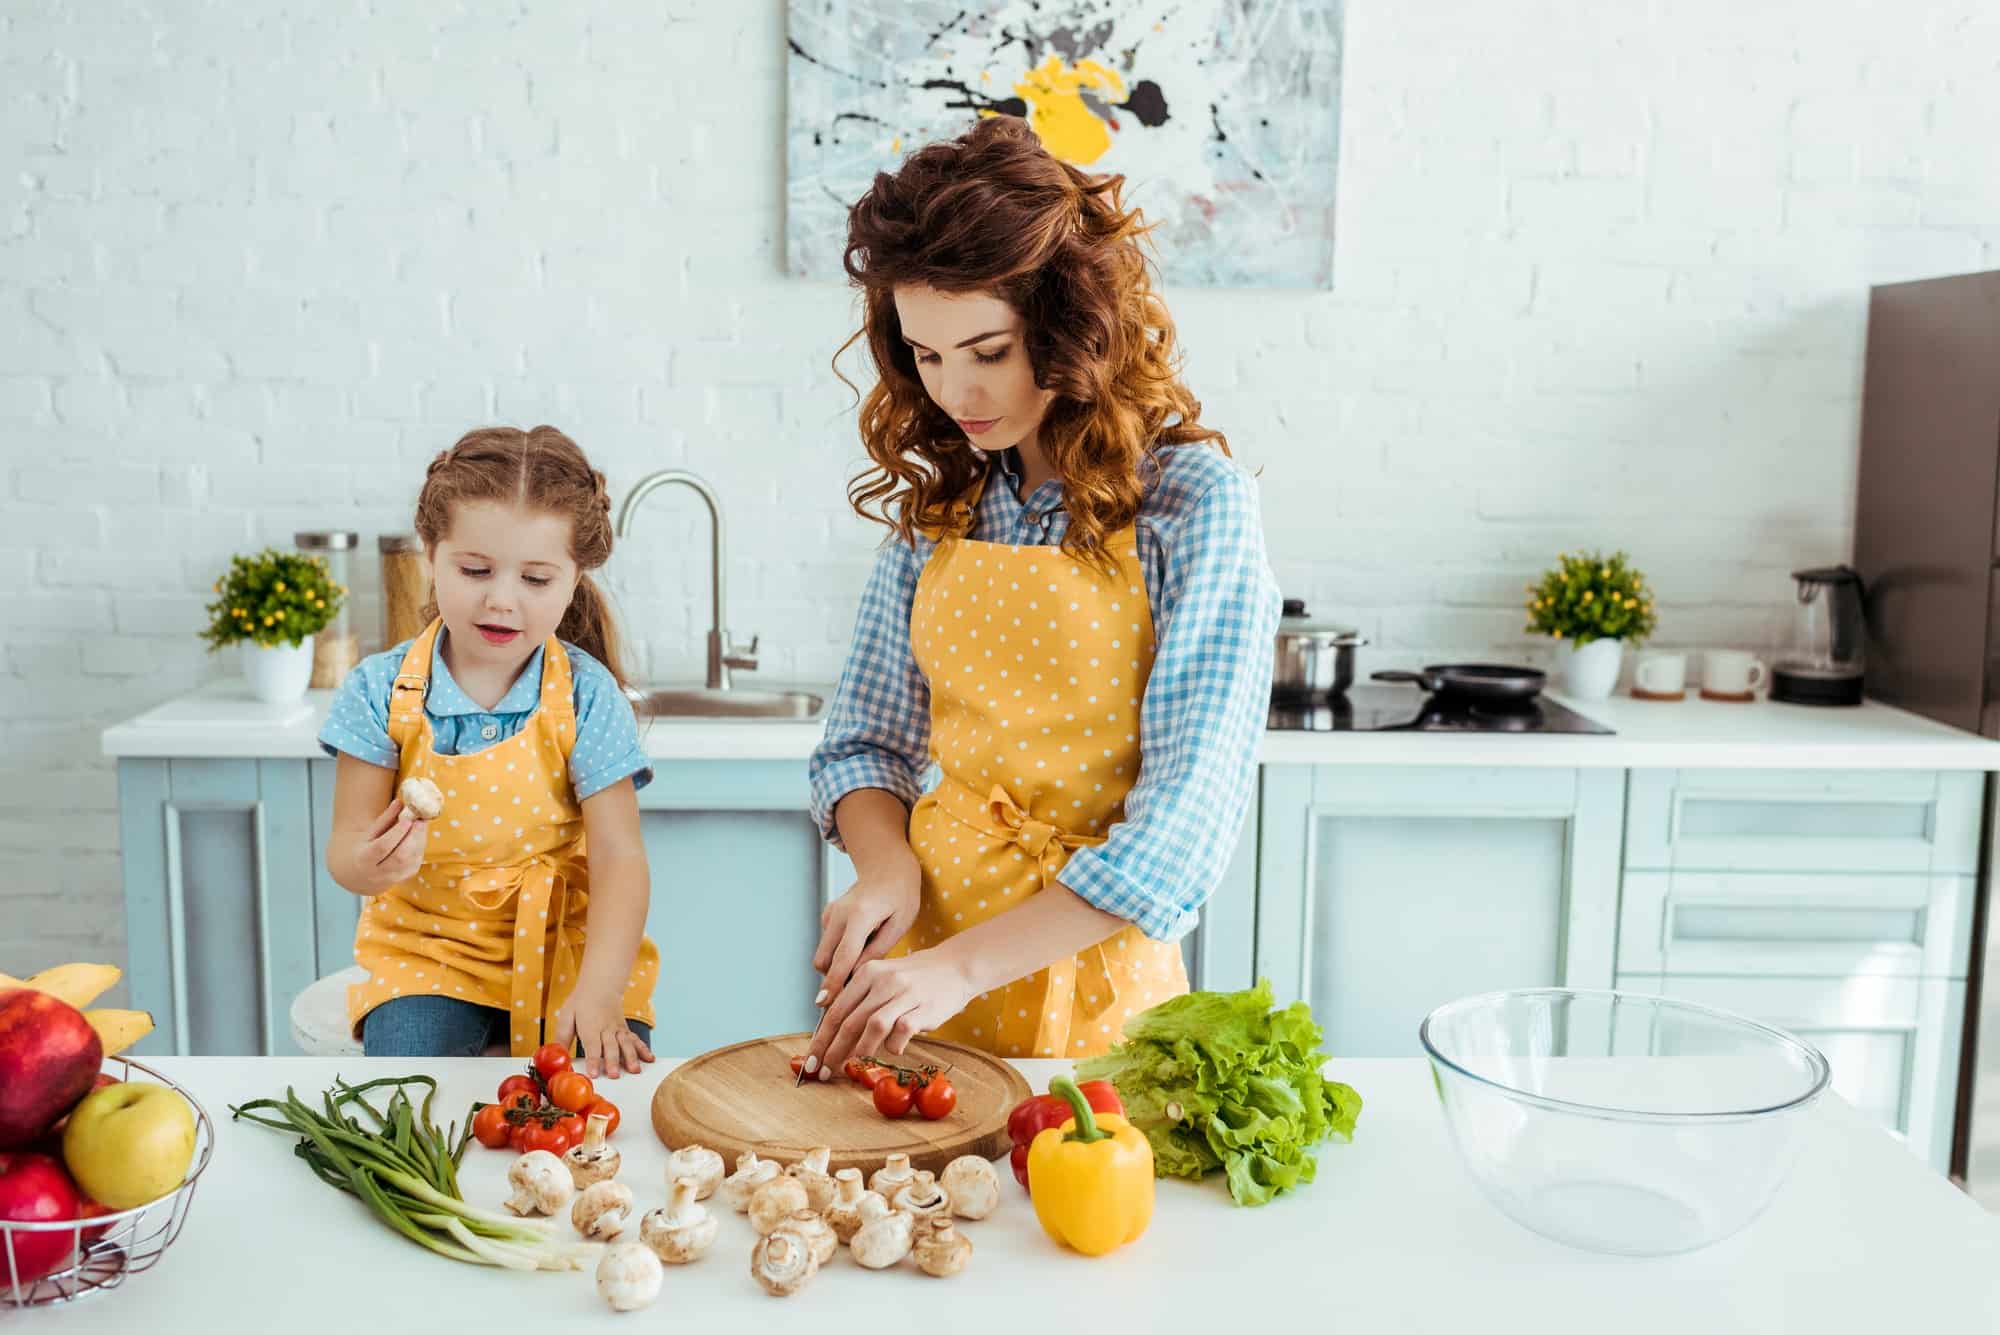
(1393, 1237)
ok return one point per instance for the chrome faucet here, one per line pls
(722, 654)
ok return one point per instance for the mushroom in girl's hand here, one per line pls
(810, 1173)
(541, 1184)
(602, 1211)
(629, 1277)
(853, 1205)
(683, 1230)
(883, 1242)
(940, 1249)
(892, 1176)
(973, 1185)
(751, 1173)
(774, 1202)
(596, 1159)
(422, 798)
(782, 1262)
(700, 1165)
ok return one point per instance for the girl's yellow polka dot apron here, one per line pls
(496, 913)
(1037, 664)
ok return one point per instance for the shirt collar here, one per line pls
(447, 698)
(1043, 499)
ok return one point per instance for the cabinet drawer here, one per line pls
(1804, 820)
(1771, 924)
(1892, 1043)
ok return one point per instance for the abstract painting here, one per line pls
(1222, 115)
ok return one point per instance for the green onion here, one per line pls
(406, 1171)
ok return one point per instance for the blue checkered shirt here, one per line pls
(1215, 610)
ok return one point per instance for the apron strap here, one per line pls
(412, 685)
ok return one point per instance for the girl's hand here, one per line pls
(389, 852)
(866, 923)
(597, 1020)
(888, 1003)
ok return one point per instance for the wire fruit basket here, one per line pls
(108, 1247)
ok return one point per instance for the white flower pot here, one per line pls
(1590, 671)
(278, 674)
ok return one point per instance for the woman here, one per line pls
(1073, 619)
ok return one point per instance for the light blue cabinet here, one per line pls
(1385, 892)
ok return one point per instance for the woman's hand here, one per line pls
(866, 923)
(596, 1018)
(886, 1004)
(387, 853)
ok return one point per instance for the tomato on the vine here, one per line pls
(519, 1084)
(571, 1091)
(608, 1108)
(517, 1136)
(865, 1071)
(572, 1129)
(936, 1098)
(541, 1137)
(489, 1126)
(522, 1101)
(799, 1064)
(551, 1060)
(892, 1097)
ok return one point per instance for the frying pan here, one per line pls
(1474, 681)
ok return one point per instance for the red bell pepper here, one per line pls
(1034, 1115)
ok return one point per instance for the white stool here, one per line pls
(319, 1018)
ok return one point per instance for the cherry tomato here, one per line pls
(522, 1101)
(799, 1064)
(517, 1136)
(551, 1059)
(862, 1071)
(541, 1137)
(936, 1098)
(893, 1098)
(572, 1129)
(608, 1108)
(519, 1084)
(571, 1091)
(489, 1125)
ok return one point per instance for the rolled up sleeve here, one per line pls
(1206, 703)
(878, 728)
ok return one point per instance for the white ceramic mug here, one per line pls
(1661, 674)
(1732, 672)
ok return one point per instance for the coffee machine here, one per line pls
(1821, 662)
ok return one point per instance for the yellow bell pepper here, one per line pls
(1093, 1177)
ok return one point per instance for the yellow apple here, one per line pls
(129, 1143)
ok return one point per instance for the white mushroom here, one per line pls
(890, 1177)
(782, 1262)
(883, 1242)
(751, 1173)
(940, 1249)
(853, 1205)
(921, 1197)
(628, 1277)
(602, 1211)
(596, 1159)
(774, 1201)
(681, 1231)
(810, 1173)
(541, 1184)
(700, 1164)
(422, 797)
(973, 1185)
(815, 1230)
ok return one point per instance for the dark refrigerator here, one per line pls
(1927, 543)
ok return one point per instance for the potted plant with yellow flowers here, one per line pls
(272, 604)
(1594, 603)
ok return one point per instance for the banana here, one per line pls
(78, 984)
(118, 1030)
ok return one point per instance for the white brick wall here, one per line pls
(1601, 279)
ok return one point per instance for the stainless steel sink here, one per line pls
(736, 702)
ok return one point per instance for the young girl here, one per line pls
(487, 922)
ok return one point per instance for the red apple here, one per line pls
(49, 1059)
(34, 1189)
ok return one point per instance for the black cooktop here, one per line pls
(1408, 709)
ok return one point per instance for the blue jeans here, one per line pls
(426, 1026)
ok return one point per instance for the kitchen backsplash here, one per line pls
(1601, 279)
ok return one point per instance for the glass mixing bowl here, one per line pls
(1619, 1122)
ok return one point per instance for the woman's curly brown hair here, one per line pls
(994, 211)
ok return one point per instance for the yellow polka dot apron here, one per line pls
(1036, 664)
(496, 913)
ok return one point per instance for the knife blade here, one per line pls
(809, 1042)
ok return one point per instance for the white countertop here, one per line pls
(220, 721)
(1393, 1237)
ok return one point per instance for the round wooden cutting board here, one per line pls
(741, 1098)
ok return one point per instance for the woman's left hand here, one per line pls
(598, 1022)
(887, 1003)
